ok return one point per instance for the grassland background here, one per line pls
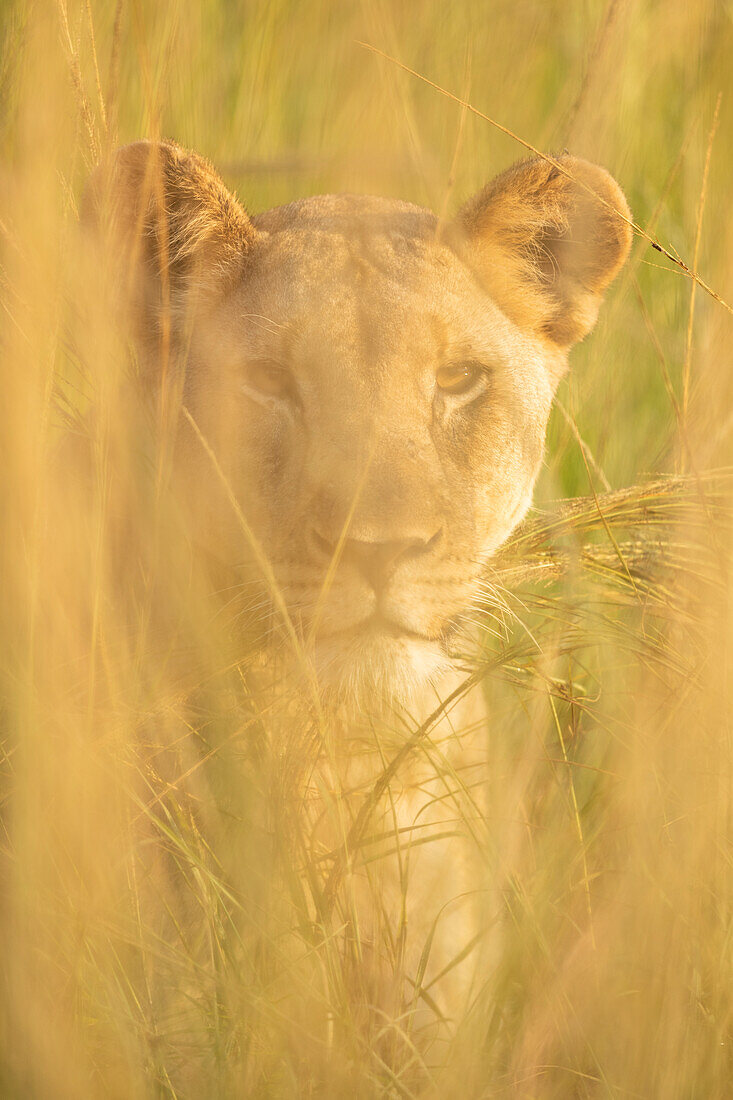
(286, 102)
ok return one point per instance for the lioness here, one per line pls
(364, 392)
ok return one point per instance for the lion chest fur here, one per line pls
(392, 814)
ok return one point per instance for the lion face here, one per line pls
(375, 389)
(379, 418)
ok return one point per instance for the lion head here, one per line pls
(365, 388)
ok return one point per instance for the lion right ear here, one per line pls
(546, 239)
(168, 225)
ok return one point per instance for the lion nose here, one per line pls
(376, 560)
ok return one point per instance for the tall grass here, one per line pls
(161, 914)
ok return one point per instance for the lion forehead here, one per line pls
(374, 270)
(342, 213)
(332, 245)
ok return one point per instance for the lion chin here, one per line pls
(377, 665)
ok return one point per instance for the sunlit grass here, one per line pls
(171, 913)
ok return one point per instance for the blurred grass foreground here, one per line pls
(159, 931)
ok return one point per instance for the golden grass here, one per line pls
(169, 922)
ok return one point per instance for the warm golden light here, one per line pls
(207, 886)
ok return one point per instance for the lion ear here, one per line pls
(547, 241)
(168, 225)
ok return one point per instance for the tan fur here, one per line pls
(549, 243)
(361, 301)
(172, 226)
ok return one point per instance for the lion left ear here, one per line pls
(546, 243)
(169, 229)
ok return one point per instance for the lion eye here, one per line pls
(269, 378)
(458, 377)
